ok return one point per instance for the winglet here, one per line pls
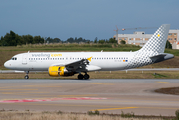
(89, 59)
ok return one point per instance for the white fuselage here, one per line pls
(41, 61)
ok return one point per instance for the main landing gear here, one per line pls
(81, 77)
(26, 76)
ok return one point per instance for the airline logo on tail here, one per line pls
(158, 35)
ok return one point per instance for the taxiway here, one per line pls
(105, 95)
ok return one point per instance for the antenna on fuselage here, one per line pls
(28, 51)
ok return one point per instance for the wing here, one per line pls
(78, 66)
(82, 65)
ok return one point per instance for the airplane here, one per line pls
(70, 63)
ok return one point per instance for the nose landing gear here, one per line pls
(26, 77)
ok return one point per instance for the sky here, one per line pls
(85, 18)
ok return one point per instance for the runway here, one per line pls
(105, 95)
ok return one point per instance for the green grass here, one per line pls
(156, 75)
(72, 47)
(127, 115)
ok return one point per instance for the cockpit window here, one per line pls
(13, 58)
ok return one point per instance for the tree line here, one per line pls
(13, 39)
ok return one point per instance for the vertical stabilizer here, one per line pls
(153, 50)
(157, 42)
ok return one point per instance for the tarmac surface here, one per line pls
(105, 95)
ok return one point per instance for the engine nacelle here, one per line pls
(59, 71)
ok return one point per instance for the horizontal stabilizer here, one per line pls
(161, 57)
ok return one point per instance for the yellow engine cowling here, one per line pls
(58, 71)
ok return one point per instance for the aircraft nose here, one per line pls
(7, 64)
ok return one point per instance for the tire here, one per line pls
(80, 77)
(26, 77)
(86, 76)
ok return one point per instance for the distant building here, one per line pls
(140, 38)
(173, 36)
(175, 45)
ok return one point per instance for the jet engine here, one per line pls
(56, 71)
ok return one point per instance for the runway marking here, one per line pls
(115, 108)
(162, 82)
(50, 99)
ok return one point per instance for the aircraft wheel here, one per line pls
(26, 77)
(86, 76)
(80, 76)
